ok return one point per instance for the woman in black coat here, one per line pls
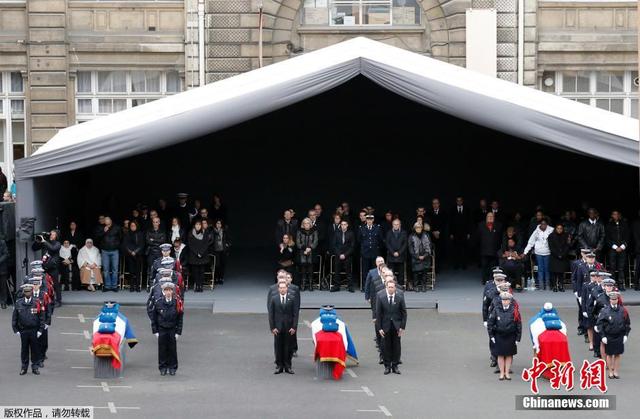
(307, 243)
(133, 244)
(198, 246)
(221, 243)
(286, 256)
(560, 247)
(505, 330)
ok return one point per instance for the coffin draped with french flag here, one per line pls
(549, 337)
(332, 341)
(111, 330)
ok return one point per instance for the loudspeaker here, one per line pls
(26, 229)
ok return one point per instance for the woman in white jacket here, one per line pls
(540, 245)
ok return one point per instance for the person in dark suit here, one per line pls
(438, 223)
(286, 225)
(396, 240)
(636, 239)
(343, 245)
(283, 322)
(617, 237)
(489, 238)
(460, 229)
(391, 321)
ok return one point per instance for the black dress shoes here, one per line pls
(387, 371)
(172, 372)
(396, 370)
(163, 372)
(35, 371)
(289, 371)
(23, 371)
(278, 371)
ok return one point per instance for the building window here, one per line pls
(12, 127)
(614, 91)
(103, 92)
(347, 13)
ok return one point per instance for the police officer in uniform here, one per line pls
(166, 325)
(47, 306)
(165, 252)
(156, 290)
(370, 238)
(28, 323)
(489, 292)
(602, 301)
(580, 277)
(614, 327)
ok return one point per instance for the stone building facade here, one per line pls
(67, 61)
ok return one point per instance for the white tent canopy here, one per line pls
(503, 106)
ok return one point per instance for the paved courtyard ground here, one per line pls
(226, 371)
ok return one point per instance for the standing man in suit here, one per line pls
(438, 223)
(370, 236)
(391, 321)
(489, 238)
(460, 227)
(286, 225)
(343, 245)
(283, 322)
(396, 241)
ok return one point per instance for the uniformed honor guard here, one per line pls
(283, 323)
(505, 331)
(166, 325)
(156, 290)
(588, 298)
(165, 252)
(601, 302)
(28, 323)
(614, 327)
(47, 305)
(489, 292)
(590, 307)
(579, 277)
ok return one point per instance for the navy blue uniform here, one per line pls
(370, 239)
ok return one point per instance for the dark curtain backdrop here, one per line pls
(357, 143)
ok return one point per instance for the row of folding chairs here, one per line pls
(430, 276)
(631, 271)
(124, 275)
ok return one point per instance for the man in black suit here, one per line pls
(438, 224)
(286, 225)
(283, 322)
(391, 320)
(489, 238)
(460, 228)
(396, 240)
(343, 245)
